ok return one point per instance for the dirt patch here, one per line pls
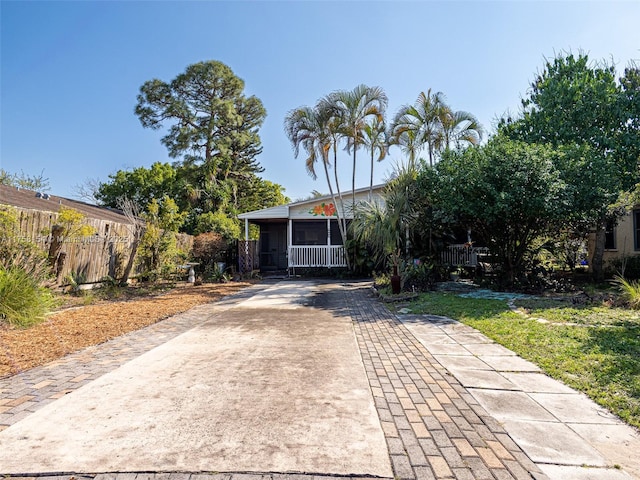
(75, 328)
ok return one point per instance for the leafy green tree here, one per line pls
(581, 107)
(212, 121)
(158, 248)
(212, 125)
(140, 185)
(509, 192)
(219, 223)
(259, 193)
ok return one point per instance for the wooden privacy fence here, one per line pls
(91, 257)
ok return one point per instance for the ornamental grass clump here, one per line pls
(23, 302)
(630, 290)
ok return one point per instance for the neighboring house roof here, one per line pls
(283, 211)
(28, 199)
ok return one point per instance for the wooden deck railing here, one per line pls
(317, 256)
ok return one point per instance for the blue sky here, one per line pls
(70, 71)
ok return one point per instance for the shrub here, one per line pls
(22, 301)
(209, 249)
(218, 222)
(419, 277)
(18, 251)
(628, 266)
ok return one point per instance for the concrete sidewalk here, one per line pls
(298, 380)
(565, 433)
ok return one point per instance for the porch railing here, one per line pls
(462, 254)
(317, 256)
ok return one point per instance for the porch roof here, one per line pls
(279, 212)
(283, 212)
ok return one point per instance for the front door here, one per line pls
(273, 246)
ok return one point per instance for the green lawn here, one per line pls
(594, 349)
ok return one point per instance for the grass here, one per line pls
(594, 349)
(22, 301)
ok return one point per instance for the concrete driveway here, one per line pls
(269, 384)
(304, 378)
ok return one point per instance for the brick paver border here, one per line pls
(434, 428)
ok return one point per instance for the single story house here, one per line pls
(622, 239)
(301, 234)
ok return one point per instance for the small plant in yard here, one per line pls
(75, 280)
(22, 301)
(630, 290)
(382, 282)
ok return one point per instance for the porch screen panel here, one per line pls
(336, 238)
(310, 233)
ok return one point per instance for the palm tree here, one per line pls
(385, 226)
(310, 128)
(459, 128)
(334, 131)
(354, 109)
(419, 125)
(375, 139)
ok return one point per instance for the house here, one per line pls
(302, 234)
(622, 239)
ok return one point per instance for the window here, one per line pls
(336, 238)
(610, 236)
(310, 233)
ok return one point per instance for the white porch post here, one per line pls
(329, 242)
(246, 229)
(289, 242)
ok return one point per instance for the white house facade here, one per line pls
(304, 234)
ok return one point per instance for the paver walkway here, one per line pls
(434, 427)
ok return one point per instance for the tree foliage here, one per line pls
(211, 121)
(37, 183)
(140, 185)
(432, 124)
(580, 107)
(158, 251)
(508, 192)
(212, 129)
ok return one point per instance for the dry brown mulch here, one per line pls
(72, 329)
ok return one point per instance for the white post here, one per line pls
(246, 229)
(329, 242)
(289, 241)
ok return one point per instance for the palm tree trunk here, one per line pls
(343, 225)
(343, 232)
(371, 177)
